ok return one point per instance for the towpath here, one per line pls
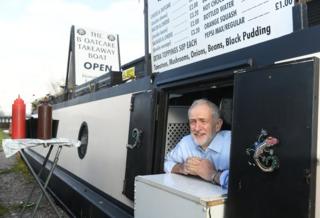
(15, 186)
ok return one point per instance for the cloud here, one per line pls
(35, 42)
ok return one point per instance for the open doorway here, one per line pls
(177, 100)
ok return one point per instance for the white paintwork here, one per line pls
(108, 126)
(175, 196)
(299, 57)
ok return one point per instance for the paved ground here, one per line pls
(15, 187)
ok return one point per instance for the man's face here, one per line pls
(203, 126)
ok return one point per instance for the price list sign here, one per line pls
(186, 31)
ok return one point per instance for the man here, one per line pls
(206, 151)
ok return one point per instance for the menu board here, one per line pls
(186, 31)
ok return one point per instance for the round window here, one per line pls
(83, 137)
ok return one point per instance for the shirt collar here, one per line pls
(217, 143)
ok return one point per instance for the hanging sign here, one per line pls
(186, 31)
(96, 53)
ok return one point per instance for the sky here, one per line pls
(34, 41)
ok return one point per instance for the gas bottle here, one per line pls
(44, 124)
(18, 119)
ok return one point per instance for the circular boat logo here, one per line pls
(111, 37)
(81, 32)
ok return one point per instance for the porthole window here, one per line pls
(83, 137)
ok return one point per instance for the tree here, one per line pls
(56, 87)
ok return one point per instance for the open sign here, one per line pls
(97, 67)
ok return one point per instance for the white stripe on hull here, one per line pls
(108, 124)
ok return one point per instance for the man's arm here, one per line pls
(207, 171)
(202, 168)
(179, 168)
(224, 179)
(173, 160)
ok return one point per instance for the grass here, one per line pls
(2, 136)
(3, 210)
(19, 167)
(15, 207)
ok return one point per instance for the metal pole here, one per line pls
(39, 174)
(146, 40)
(46, 184)
(39, 183)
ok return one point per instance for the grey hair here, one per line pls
(214, 108)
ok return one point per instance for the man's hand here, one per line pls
(206, 170)
(180, 168)
(200, 167)
(197, 167)
(192, 164)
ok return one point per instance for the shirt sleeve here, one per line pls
(224, 179)
(168, 165)
(173, 157)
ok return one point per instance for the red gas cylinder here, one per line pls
(18, 119)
